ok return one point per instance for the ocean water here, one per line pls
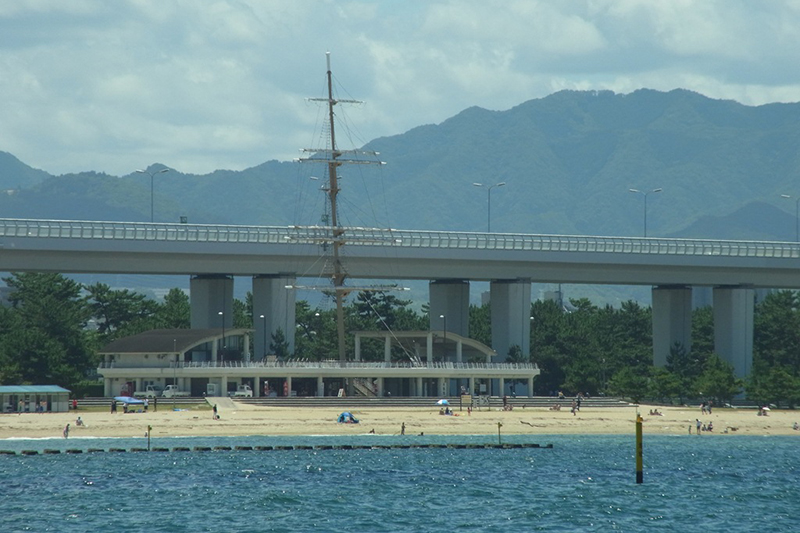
(584, 483)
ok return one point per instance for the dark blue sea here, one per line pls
(584, 483)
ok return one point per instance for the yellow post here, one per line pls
(639, 474)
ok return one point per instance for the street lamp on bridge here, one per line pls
(489, 202)
(796, 216)
(152, 174)
(645, 193)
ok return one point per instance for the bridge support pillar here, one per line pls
(450, 297)
(672, 321)
(733, 327)
(276, 303)
(511, 316)
(208, 297)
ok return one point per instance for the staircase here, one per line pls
(364, 387)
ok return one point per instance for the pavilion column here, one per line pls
(358, 347)
(381, 385)
(530, 387)
(387, 349)
(256, 387)
(420, 389)
(247, 347)
(223, 380)
(288, 383)
(502, 384)
(472, 385)
(440, 387)
(459, 352)
(429, 347)
(320, 386)
(107, 388)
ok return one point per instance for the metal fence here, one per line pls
(336, 364)
(375, 237)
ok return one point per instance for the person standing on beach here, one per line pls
(113, 406)
(403, 428)
(66, 431)
(699, 425)
(216, 416)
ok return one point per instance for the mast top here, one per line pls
(328, 58)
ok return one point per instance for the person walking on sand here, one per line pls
(216, 416)
(66, 431)
(403, 428)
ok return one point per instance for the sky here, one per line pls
(200, 85)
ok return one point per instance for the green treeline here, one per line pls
(53, 328)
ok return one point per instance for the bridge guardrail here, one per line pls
(355, 236)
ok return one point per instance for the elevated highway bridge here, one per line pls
(276, 257)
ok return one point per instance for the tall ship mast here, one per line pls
(333, 157)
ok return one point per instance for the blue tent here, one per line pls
(347, 418)
(130, 400)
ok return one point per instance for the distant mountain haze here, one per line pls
(568, 161)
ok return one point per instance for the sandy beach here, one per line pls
(241, 419)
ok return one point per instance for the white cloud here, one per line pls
(221, 84)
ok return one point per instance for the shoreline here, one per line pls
(257, 421)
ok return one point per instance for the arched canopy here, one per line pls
(168, 341)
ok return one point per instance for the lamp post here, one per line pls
(222, 355)
(796, 216)
(645, 193)
(151, 174)
(489, 202)
(444, 354)
(264, 326)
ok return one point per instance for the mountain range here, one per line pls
(567, 160)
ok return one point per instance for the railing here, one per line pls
(437, 365)
(303, 235)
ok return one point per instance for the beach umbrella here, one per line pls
(442, 402)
